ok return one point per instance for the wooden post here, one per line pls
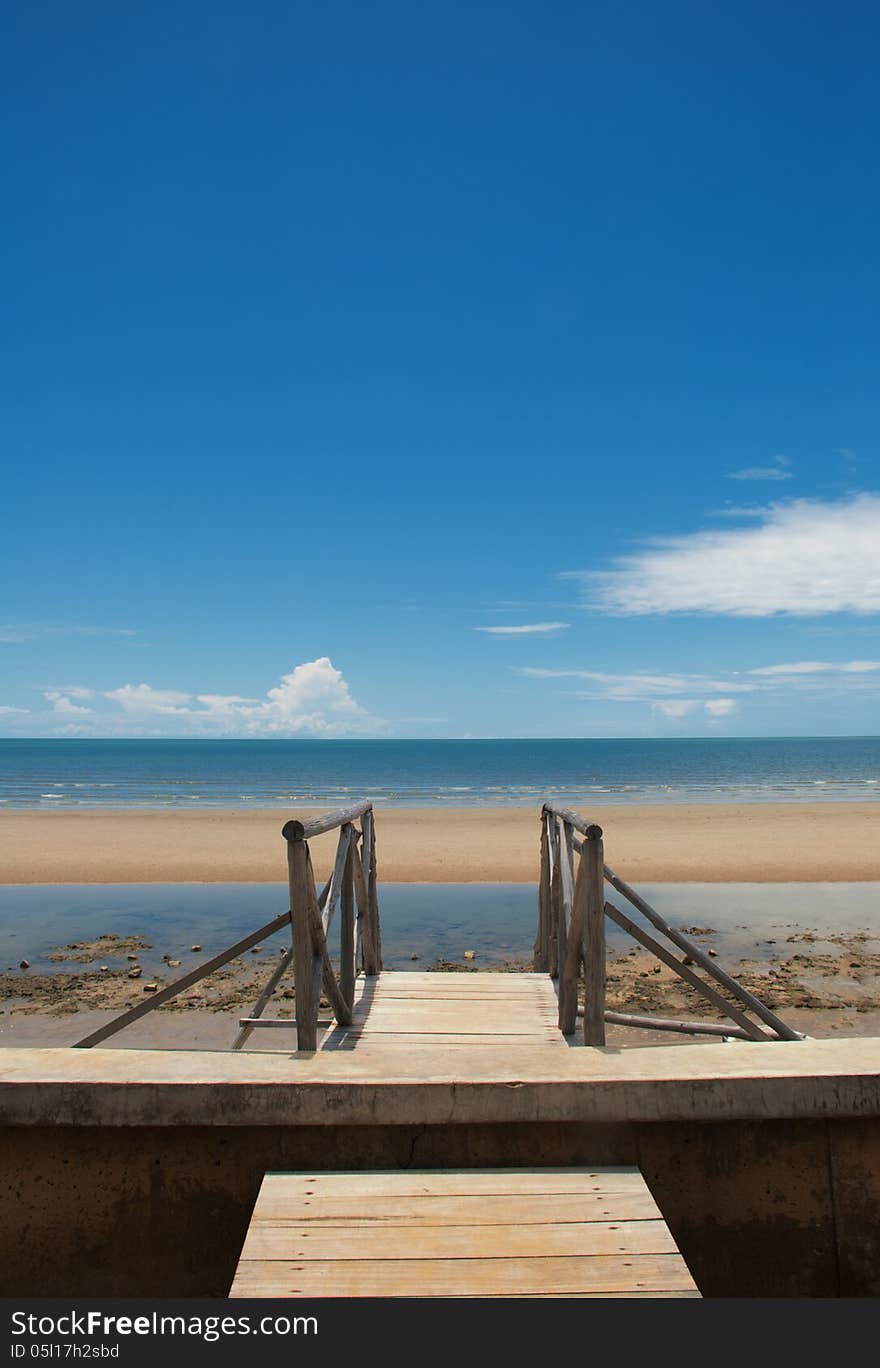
(368, 955)
(348, 929)
(570, 969)
(594, 938)
(567, 955)
(553, 834)
(307, 998)
(541, 961)
(373, 942)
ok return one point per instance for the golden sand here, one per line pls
(718, 843)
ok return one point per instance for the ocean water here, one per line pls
(431, 921)
(183, 773)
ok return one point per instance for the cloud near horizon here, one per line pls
(679, 695)
(805, 559)
(312, 700)
(526, 629)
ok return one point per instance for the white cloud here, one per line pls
(720, 707)
(678, 707)
(312, 700)
(777, 471)
(6, 710)
(222, 702)
(805, 559)
(641, 686)
(814, 667)
(61, 701)
(143, 700)
(527, 629)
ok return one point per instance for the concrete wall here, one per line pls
(772, 1207)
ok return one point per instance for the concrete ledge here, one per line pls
(831, 1079)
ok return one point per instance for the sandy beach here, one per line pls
(829, 982)
(717, 843)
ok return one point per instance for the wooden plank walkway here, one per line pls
(455, 1009)
(460, 1233)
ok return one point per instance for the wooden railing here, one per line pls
(351, 885)
(353, 882)
(571, 939)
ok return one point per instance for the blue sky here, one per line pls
(336, 335)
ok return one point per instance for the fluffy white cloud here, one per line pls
(222, 703)
(312, 700)
(720, 707)
(62, 703)
(677, 707)
(526, 629)
(143, 700)
(806, 558)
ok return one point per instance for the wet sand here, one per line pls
(671, 843)
(820, 983)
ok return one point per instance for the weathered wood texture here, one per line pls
(699, 956)
(308, 991)
(592, 858)
(186, 981)
(458, 1010)
(467, 1233)
(304, 831)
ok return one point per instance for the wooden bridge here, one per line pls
(373, 1008)
(538, 1231)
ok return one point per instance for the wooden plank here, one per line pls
(346, 1039)
(437, 1010)
(423, 1182)
(475, 1277)
(375, 1209)
(484, 984)
(273, 1240)
(606, 1296)
(460, 976)
(355, 1182)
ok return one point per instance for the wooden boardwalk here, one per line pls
(461, 1233)
(459, 1010)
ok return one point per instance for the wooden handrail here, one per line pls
(316, 826)
(309, 916)
(352, 884)
(588, 829)
(571, 938)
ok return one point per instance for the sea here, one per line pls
(149, 773)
